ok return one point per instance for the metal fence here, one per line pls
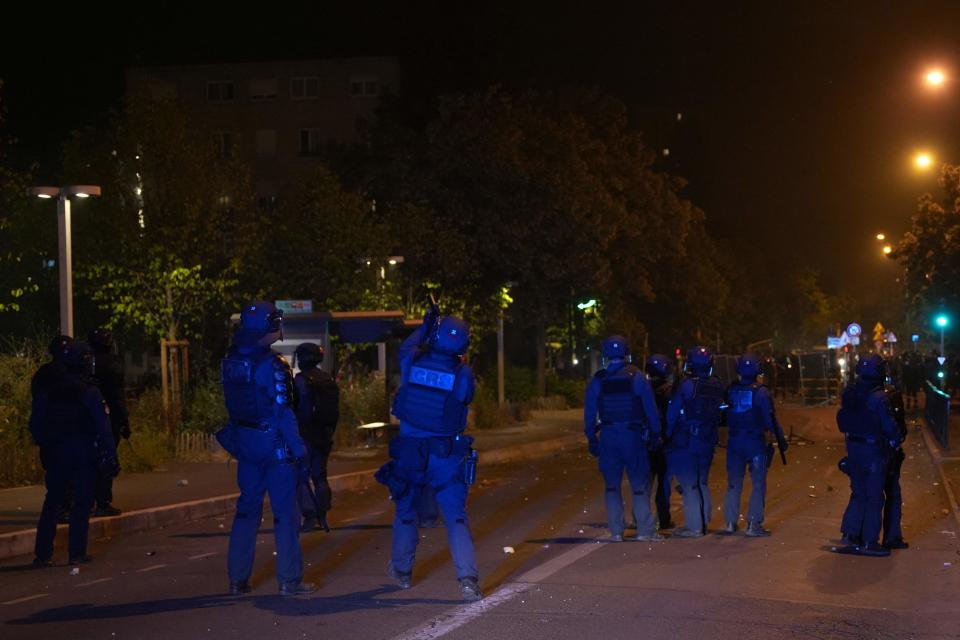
(819, 381)
(193, 445)
(936, 413)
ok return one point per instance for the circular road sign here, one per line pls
(854, 330)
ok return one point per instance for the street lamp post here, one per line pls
(942, 322)
(65, 243)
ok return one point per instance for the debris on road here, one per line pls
(183, 482)
(508, 550)
(151, 553)
(75, 571)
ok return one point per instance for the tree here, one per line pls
(930, 251)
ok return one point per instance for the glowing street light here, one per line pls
(65, 256)
(923, 160)
(887, 249)
(935, 78)
(881, 236)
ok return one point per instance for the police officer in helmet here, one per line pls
(750, 416)
(621, 424)
(692, 421)
(108, 376)
(69, 422)
(659, 370)
(262, 435)
(867, 421)
(435, 391)
(318, 409)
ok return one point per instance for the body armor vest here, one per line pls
(741, 413)
(701, 412)
(426, 398)
(854, 417)
(250, 401)
(618, 403)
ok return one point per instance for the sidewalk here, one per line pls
(192, 490)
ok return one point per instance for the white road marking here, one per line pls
(90, 582)
(26, 598)
(450, 621)
(200, 556)
(151, 568)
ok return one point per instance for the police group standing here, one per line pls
(892, 537)
(436, 388)
(692, 420)
(868, 423)
(262, 435)
(622, 424)
(69, 421)
(108, 376)
(318, 410)
(659, 370)
(750, 416)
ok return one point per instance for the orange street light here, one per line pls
(887, 249)
(935, 78)
(923, 160)
(881, 236)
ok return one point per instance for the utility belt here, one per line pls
(249, 424)
(750, 433)
(864, 439)
(412, 454)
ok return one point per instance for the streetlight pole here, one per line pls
(65, 243)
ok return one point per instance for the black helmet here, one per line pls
(57, 346)
(101, 339)
(308, 355)
(748, 366)
(659, 366)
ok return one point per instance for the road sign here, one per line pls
(835, 342)
(915, 337)
(941, 360)
(295, 306)
(878, 331)
(854, 330)
(891, 337)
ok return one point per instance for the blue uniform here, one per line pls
(692, 420)
(262, 434)
(749, 418)
(432, 404)
(662, 391)
(70, 423)
(619, 404)
(318, 411)
(865, 418)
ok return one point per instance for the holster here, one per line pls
(394, 482)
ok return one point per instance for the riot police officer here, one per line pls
(750, 415)
(69, 422)
(318, 409)
(892, 499)
(659, 370)
(262, 435)
(435, 391)
(621, 424)
(692, 420)
(867, 421)
(108, 376)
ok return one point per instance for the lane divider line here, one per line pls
(448, 622)
(26, 598)
(92, 582)
(200, 556)
(152, 568)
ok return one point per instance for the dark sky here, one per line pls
(799, 117)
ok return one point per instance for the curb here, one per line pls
(19, 543)
(937, 455)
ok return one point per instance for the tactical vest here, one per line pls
(321, 399)
(741, 412)
(854, 417)
(426, 398)
(701, 412)
(618, 403)
(251, 402)
(65, 413)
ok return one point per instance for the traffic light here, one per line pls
(942, 320)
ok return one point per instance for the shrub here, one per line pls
(571, 389)
(520, 383)
(485, 412)
(205, 410)
(19, 458)
(362, 400)
(150, 445)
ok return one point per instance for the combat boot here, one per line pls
(728, 529)
(239, 588)
(874, 549)
(296, 588)
(756, 530)
(322, 521)
(896, 543)
(648, 537)
(615, 537)
(309, 522)
(403, 580)
(684, 532)
(470, 589)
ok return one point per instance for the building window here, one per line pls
(305, 88)
(266, 143)
(364, 87)
(223, 142)
(220, 90)
(309, 142)
(263, 89)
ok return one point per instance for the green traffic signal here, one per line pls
(942, 320)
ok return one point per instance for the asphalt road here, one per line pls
(559, 582)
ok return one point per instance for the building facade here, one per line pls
(277, 116)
